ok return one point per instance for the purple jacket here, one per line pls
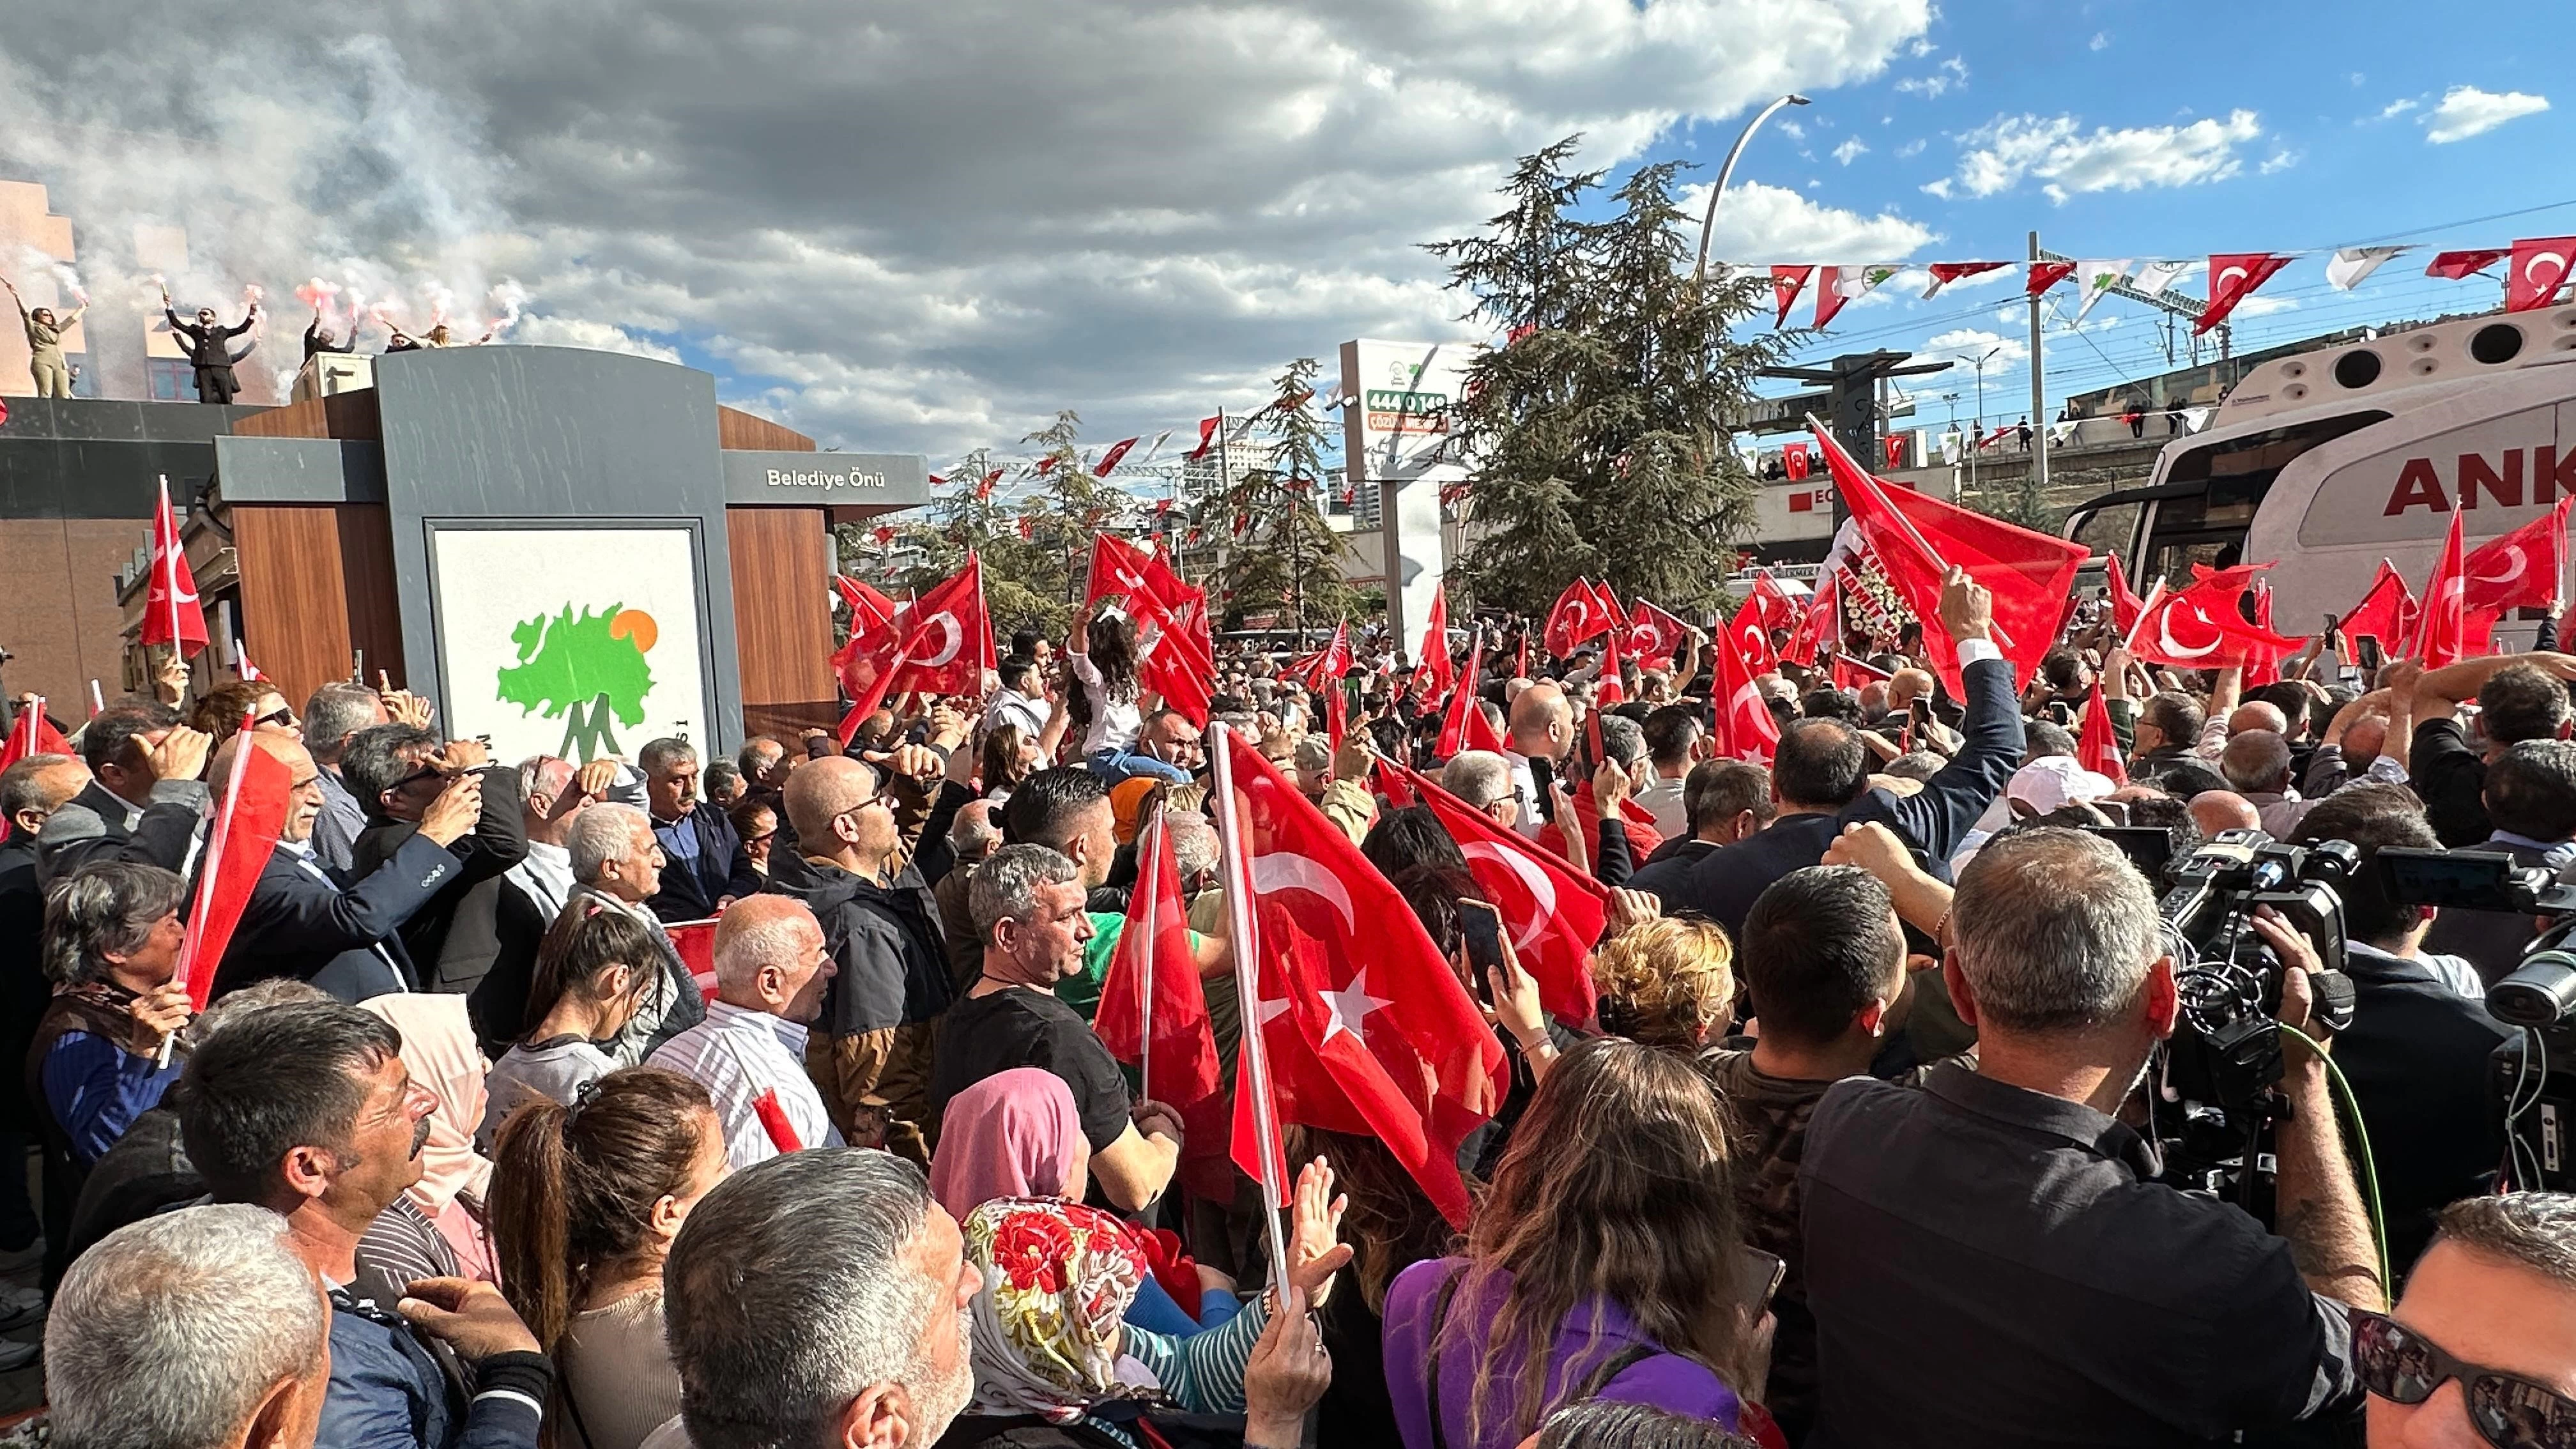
(1664, 1380)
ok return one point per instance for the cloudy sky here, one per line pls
(927, 226)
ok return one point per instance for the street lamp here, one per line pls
(1976, 444)
(1699, 273)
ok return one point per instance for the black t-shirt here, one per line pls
(983, 1036)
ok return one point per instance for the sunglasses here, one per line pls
(2404, 1367)
(281, 717)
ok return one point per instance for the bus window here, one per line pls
(2240, 469)
(2171, 560)
(2107, 530)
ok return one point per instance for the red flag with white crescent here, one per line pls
(2443, 636)
(1944, 273)
(33, 734)
(1553, 911)
(2461, 265)
(2233, 276)
(1741, 727)
(1576, 616)
(2044, 275)
(1169, 1034)
(1109, 461)
(2124, 602)
(2387, 611)
(171, 610)
(239, 843)
(2518, 570)
(943, 644)
(2200, 626)
(2539, 271)
(1786, 284)
(1436, 660)
(2097, 748)
(1367, 1028)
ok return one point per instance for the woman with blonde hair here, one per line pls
(1666, 983)
(1609, 1273)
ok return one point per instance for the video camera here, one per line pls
(2222, 1067)
(2533, 1077)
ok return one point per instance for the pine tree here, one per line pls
(1597, 428)
(1287, 559)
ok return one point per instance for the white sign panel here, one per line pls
(1398, 435)
(577, 642)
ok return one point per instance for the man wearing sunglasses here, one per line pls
(2482, 1348)
(400, 770)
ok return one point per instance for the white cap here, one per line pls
(2057, 780)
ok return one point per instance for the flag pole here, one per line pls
(1150, 880)
(1234, 865)
(208, 862)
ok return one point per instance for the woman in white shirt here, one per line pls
(586, 1199)
(589, 979)
(1102, 656)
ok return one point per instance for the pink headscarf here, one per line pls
(439, 1051)
(1013, 1134)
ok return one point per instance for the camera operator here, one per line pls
(1986, 1258)
(2530, 800)
(2417, 1050)
(2482, 1349)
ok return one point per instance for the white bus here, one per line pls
(2331, 460)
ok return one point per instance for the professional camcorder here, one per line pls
(2215, 1091)
(2534, 1075)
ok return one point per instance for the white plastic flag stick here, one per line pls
(1236, 870)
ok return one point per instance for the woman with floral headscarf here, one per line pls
(1052, 1345)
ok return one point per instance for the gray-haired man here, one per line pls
(197, 1329)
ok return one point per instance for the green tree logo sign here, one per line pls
(584, 669)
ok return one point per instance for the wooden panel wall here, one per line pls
(341, 415)
(317, 583)
(782, 619)
(738, 429)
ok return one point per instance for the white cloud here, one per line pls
(2101, 41)
(2466, 111)
(2281, 160)
(1961, 347)
(2396, 108)
(2059, 153)
(1911, 148)
(1921, 47)
(1951, 74)
(2259, 306)
(1852, 149)
(837, 208)
(1790, 128)
(1761, 224)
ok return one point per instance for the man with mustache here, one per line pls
(308, 1111)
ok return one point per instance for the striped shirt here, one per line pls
(739, 1056)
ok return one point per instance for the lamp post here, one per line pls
(1976, 443)
(1699, 273)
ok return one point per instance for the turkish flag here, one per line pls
(1793, 461)
(1047, 464)
(2459, 265)
(1388, 779)
(170, 608)
(2518, 570)
(773, 1121)
(2262, 667)
(1576, 616)
(1109, 460)
(33, 735)
(1819, 623)
(1207, 437)
(1153, 957)
(1786, 284)
(1553, 911)
(1752, 636)
(1366, 1026)
(1944, 273)
(1463, 725)
(1740, 724)
(1654, 635)
(2097, 747)
(2539, 271)
(942, 643)
(1172, 657)
(2387, 612)
(1337, 713)
(238, 846)
(2125, 603)
(1851, 673)
(1895, 444)
(1915, 538)
(2443, 636)
(1436, 661)
(2233, 276)
(2199, 625)
(1778, 610)
(2044, 275)
(695, 943)
(1329, 663)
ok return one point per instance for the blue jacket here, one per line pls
(691, 888)
(345, 940)
(388, 1392)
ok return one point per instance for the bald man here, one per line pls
(869, 1053)
(2215, 810)
(2257, 715)
(306, 921)
(1542, 735)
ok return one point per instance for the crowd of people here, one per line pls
(1859, 1145)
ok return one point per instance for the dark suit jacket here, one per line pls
(300, 926)
(691, 888)
(2416, 1054)
(1724, 883)
(91, 827)
(24, 991)
(498, 841)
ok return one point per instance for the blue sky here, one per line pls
(2231, 127)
